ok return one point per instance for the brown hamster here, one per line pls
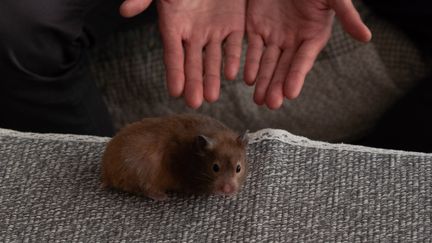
(181, 153)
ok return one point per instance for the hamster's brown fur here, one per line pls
(183, 153)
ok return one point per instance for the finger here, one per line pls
(253, 57)
(194, 74)
(301, 64)
(174, 63)
(351, 21)
(213, 59)
(275, 95)
(232, 50)
(265, 73)
(130, 8)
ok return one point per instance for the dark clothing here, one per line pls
(407, 125)
(412, 17)
(45, 84)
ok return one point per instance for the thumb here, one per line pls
(131, 8)
(350, 19)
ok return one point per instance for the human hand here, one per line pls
(131, 8)
(284, 39)
(193, 32)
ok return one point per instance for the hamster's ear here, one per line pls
(204, 142)
(243, 139)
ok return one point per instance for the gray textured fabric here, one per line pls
(349, 88)
(297, 191)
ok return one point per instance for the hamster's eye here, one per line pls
(238, 168)
(215, 167)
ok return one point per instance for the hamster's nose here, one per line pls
(228, 189)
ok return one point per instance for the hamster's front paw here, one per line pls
(157, 195)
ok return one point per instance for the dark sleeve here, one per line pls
(413, 17)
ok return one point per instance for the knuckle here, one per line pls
(232, 56)
(211, 76)
(253, 60)
(194, 80)
(232, 46)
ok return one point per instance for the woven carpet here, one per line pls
(298, 190)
